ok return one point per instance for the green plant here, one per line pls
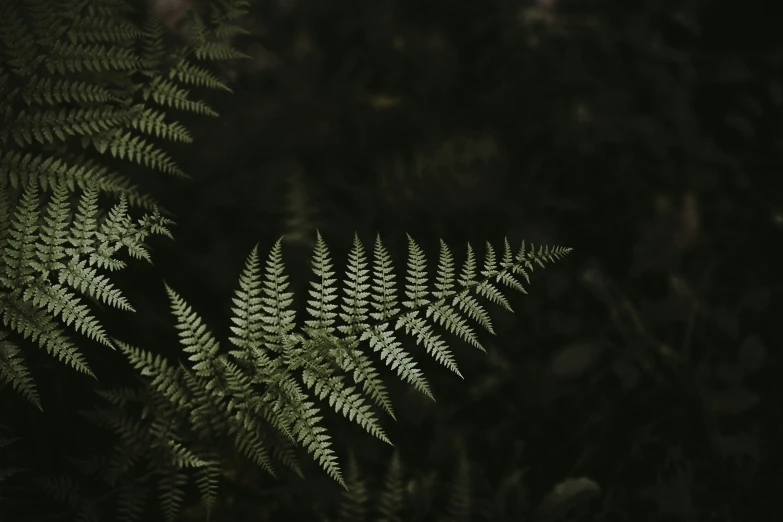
(238, 395)
(86, 84)
(84, 75)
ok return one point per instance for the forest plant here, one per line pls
(84, 75)
(87, 75)
(279, 366)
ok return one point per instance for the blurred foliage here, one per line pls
(645, 381)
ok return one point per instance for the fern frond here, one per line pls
(167, 94)
(191, 74)
(247, 319)
(137, 150)
(284, 450)
(262, 382)
(364, 373)
(424, 336)
(54, 232)
(19, 170)
(353, 507)
(81, 277)
(92, 28)
(194, 336)
(323, 290)
(85, 223)
(171, 493)
(278, 321)
(207, 478)
(392, 494)
(508, 267)
(486, 288)
(36, 325)
(153, 51)
(218, 51)
(166, 379)
(13, 370)
(444, 280)
(66, 57)
(251, 445)
(446, 315)
(60, 302)
(458, 508)
(382, 340)
(318, 375)
(45, 90)
(416, 286)
(46, 254)
(19, 248)
(151, 121)
(467, 277)
(383, 294)
(304, 417)
(355, 292)
(181, 457)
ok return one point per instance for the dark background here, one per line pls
(646, 135)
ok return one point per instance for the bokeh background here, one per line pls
(643, 373)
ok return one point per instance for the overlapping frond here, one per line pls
(78, 81)
(84, 83)
(281, 371)
(50, 259)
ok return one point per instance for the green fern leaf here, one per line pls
(79, 276)
(248, 305)
(384, 298)
(54, 232)
(392, 494)
(190, 74)
(194, 336)
(171, 487)
(353, 507)
(304, 417)
(150, 121)
(218, 51)
(424, 336)
(19, 170)
(13, 370)
(382, 340)
(416, 287)
(67, 57)
(59, 301)
(323, 290)
(355, 292)
(139, 151)
(167, 94)
(45, 90)
(318, 375)
(207, 478)
(278, 321)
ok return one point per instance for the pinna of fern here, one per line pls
(279, 369)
